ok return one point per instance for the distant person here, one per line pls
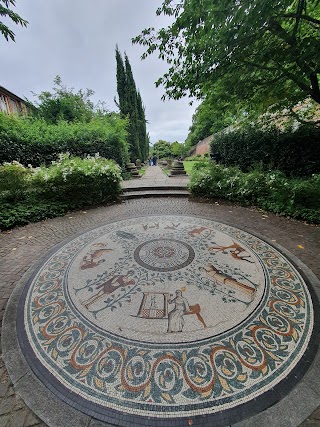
(149, 161)
(155, 158)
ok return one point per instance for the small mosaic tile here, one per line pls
(165, 317)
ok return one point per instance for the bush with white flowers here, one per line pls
(92, 179)
(272, 190)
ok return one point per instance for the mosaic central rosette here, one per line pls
(167, 316)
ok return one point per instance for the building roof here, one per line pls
(11, 95)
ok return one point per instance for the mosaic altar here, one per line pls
(167, 317)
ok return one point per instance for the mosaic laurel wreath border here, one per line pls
(196, 221)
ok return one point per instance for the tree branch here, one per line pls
(300, 9)
(315, 93)
(304, 17)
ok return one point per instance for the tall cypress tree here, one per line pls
(132, 102)
(142, 128)
(121, 84)
(130, 105)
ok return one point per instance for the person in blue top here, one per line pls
(155, 158)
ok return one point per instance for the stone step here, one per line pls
(155, 188)
(134, 194)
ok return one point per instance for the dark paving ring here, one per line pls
(164, 321)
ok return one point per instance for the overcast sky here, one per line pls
(76, 39)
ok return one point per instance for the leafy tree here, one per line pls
(178, 149)
(254, 53)
(211, 117)
(7, 12)
(162, 149)
(65, 104)
(202, 121)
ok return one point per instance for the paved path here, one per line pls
(154, 177)
(22, 247)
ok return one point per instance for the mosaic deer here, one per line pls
(235, 251)
(108, 287)
(198, 231)
(223, 279)
(91, 259)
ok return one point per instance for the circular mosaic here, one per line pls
(165, 317)
(164, 255)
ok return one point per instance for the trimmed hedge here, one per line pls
(294, 153)
(273, 191)
(28, 194)
(33, 141)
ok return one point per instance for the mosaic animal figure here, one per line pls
(107, 287)
(172, 227)
(126, 235)
(147, 226)
(91, 259)
(196, 309)
(235, 251)
(223, 279)
(198, 231)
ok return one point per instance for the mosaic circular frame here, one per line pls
(224, 350)
(155, 254)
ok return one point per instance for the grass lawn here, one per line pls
(188, 165)
(142, 171)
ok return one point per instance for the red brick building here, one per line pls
(202, 147)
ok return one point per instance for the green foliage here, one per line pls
(130, 105)
(45, 192)
(72, 178)
(21, 213)
(211, 117)
(14, 179)
(178, 149)
(164, 149)
(253, 53)
(34, 141)
(194, 164)
(272, 191)
(7, 12)
(294, 153)
(64, 104)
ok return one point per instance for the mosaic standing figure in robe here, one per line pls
(175, 318)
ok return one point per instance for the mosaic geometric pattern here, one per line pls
(167, 317)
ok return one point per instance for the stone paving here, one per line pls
(154, 177)
(22, 247)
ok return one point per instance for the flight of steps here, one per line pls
(155, 191)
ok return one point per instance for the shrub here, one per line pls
(33, 141)
(29, 211)
(90, 180)
(273, 191)
(294, 153)
(45, 192)
(14, 180)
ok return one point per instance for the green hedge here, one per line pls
(33, 141)
(273, 191)
(33, 194)
(294, 153)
